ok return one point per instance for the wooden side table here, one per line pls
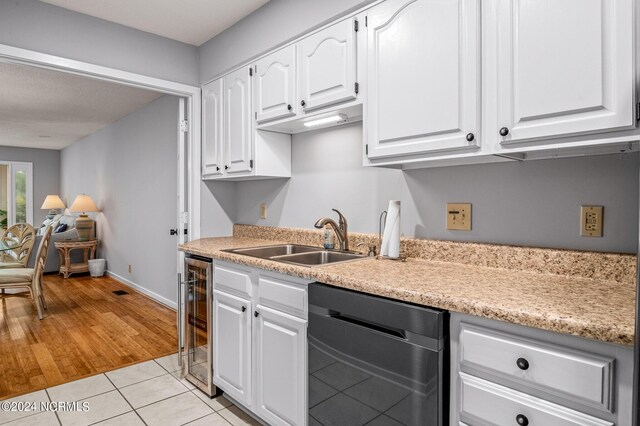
(64, 248)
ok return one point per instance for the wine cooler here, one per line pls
(195, 297)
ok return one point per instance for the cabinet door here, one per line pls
(281, 349)
(238, 133)
(328, 66)
(423, 77)
(212, 129)
(232, 345)
(275, 85)
(564, 67)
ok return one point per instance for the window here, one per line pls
(16, 193)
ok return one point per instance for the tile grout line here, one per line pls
(163, 399)
(165, 368)
(83, 399)
(135, 383)
(127, 401)
(214, 412)
(32, 413)
(46, 390)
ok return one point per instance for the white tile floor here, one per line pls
(150, 393)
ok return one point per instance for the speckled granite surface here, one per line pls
(593, 308)
(602, 266)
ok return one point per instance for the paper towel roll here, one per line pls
(390, 245)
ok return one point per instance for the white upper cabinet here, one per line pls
(564, 67)
(212, 163)
(238, 126)
(232, 148)
(423, 77)
(327, 66)
(275, 85)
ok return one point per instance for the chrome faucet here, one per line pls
(340, 230)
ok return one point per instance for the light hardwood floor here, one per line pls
(86, 330)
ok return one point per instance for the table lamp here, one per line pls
(53, 203)
(84, 224)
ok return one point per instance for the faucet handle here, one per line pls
(340, 215)
(372, 249)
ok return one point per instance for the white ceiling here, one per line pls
(41, 108)
(188, 21)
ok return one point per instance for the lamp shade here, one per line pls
(52, 202)
(83, 203)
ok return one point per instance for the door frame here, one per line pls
(28, 166)
(191, 94)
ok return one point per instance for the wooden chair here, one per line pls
(22, 236)
(29, 278)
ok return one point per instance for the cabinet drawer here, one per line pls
(282, 295)
(486, 403)
(231, 279)
(584, 378)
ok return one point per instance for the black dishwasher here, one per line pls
(375, 361)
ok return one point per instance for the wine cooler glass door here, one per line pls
(198, 324)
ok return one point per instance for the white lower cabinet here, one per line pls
(232, 345)
(260, 351)
(507, 374)
(280, 355)
(486, 402)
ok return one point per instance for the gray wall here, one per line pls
(274, 23)
(218, 209)
(33, 25)
(46, 174)
(130, 170)
(529, 203)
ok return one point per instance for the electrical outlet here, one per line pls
(459, 216)
(591, 221)
(263, 211)
(129, 268)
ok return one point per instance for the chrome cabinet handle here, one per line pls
(244, 308)
(504, 131)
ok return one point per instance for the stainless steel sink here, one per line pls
(268, 252)
(319, 258)
(299, 254)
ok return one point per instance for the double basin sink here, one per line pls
(299, 254)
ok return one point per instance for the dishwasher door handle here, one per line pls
(392, 332)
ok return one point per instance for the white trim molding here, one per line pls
(192, 94)
(155, 296)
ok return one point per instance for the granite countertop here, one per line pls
(593, 308)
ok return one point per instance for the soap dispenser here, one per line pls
(328, 238)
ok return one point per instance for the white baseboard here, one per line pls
(160, 299)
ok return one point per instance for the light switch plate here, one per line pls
(459, 216)
(591, 221)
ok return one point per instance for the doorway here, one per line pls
(16, 193)
(187, 217)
